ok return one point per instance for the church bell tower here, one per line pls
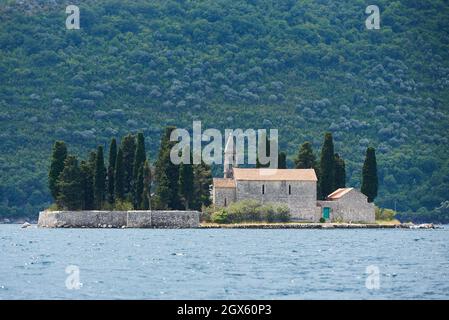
(229, 157)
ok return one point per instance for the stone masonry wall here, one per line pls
(119, 219)
(301, 200)
(223, 195)
(353, 207)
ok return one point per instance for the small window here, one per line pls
(289, 189)
(263, 189)
(225, 202)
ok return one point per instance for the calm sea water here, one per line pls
(223, 264)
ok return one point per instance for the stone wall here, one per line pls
(119, 219)
(222, 197)
(353, 207)
(299, 196)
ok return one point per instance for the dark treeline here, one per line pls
(128, 180)
(331, 169)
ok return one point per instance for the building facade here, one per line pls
(296, 188)
(347, 205)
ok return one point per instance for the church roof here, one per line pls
(223, 183)
(267, 174)
(337, 194)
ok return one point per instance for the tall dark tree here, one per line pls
(186, 186)
(129, 151)
(167, 175)
(327, 166)
(119, 188)
(340, 172)
(305, 158)
(163, 193)
(147, 177)
(282, 160)
(69, 183)
(99, 179)
(111, 170)
(267, 152)
(138, 189)
(202, 181)
(369, 175)
(139, 160)
(87, 182)
(139, 156)
(59, 154)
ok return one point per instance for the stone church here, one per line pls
(297, 188)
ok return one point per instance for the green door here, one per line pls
(326, 213)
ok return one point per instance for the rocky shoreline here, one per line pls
(319, 226)
(289, 225)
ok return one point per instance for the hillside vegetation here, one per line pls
(303, 67)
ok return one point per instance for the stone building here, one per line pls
(347, 204)
(294, 187)
(297, 188)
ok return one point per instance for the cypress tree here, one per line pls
(146, 197)
(92, 160)
(340, 172)
(119, 188)
(87, 182)
(139, 156)
(327, 166)
(59, 154)
(267, 151)
(139, 160)
(305, 158)
(167, 175)
(186, 187)
(69, 184)
(139, 187)
(99, 179)
(111, 170)
(282, 160)
(369, 175)
(129, 151)
(163, 192)
(202, 181)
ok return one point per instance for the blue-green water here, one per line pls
(223, 264)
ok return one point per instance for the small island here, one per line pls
(89, 194)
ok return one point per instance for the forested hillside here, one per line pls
(303, 67)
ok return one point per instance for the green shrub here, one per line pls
(283, 213)
(322, 220)
(251, 211)
(123, 205)
(206, 213)
(220, 216)
(53, 207)
(384, 214)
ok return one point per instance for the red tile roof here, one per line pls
(267, 174)
(337, 194)
(223, 183)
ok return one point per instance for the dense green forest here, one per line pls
(303, 67)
